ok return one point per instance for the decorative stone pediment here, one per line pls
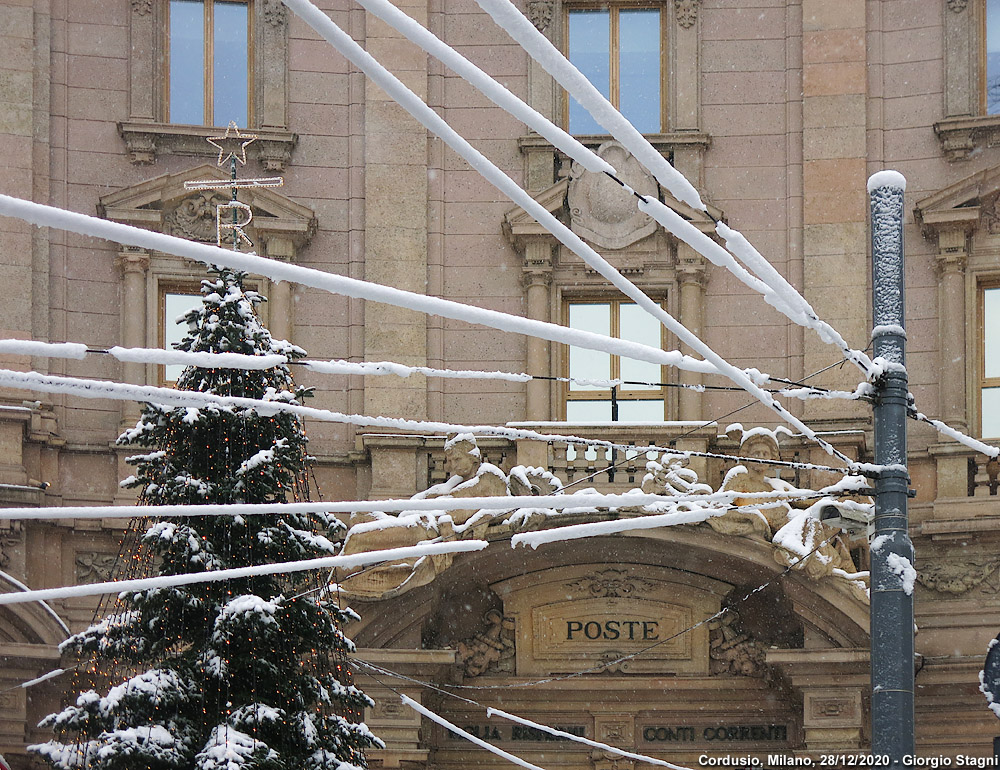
(961, 206)
(162, 204)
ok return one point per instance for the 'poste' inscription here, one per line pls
(585, 627)
(613, 630)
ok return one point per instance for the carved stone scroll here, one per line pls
(491, 650)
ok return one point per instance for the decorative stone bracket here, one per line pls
(960, 136)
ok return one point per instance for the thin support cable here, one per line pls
(99, 389)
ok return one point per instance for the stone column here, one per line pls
(950, 264)
(537, 280)
(691, 279)
(134, 264)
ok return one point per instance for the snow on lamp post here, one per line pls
(892, 573)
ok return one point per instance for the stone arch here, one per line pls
(34, 623)
(499, 615)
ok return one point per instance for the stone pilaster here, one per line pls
(279, 293)
(832, 683)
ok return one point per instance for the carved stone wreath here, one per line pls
(490, 650)
(142, 7)
(7, 545)
(734, 651)
(958, 577)
(957, 5)
(94, 567)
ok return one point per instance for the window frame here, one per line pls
(567, 394)
(208, 70)
(982, 381)
(190, 287)
(614, 8)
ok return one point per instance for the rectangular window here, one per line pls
(175, 302)
(641, 397)
(618, 47)
(989, 386)
(209, 62)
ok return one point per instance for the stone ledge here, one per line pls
(664, 143)
(144, 141)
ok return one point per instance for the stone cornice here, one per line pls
(145, 141)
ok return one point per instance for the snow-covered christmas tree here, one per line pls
(233, 675)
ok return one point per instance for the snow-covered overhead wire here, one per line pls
(50, 216)
(77, 350)
(491, 712)
(785, 298)
(775, 288)
(207, 360)
(166, 581)
(413, 104)
(48, 610)
(119, 391)
(437, 504)
(957, 435)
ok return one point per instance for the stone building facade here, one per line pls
(776, 110)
